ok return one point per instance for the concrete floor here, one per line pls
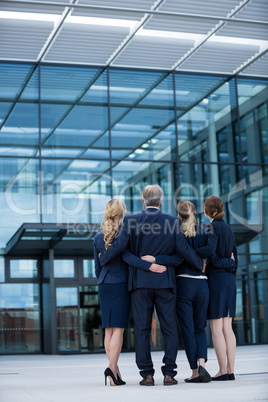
(80, 378)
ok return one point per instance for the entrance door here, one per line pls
(91, 333)
(67, 319)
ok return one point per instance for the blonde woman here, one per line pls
(192, 292)
(113, 293)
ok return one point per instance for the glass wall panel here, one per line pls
(19, 318)
(19, 195)
(63, 268)
(91, 333)
(142, 121)
(241, 321)
(129, 179)
(89, 269)
(259, 309)
(206, 132)
(2, 269)
(19, 114)
(75, 191)
(23, 268)
(252, 99)
(67, 319)
(74, 111)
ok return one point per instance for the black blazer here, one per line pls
(222, 242)
(151, 232)
(199, 243)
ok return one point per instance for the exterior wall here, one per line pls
(73, 137)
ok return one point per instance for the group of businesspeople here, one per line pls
(187, 272)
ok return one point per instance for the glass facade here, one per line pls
(72, 137)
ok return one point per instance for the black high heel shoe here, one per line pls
(120, 381)
(108, 373)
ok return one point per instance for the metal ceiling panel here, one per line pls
(141, 4)
(244, 30)
(180, 24)
(23, 40)
(204, 7)
(259, 68)
(255, 10)
(82, 43)
(219, 57)
(153, 52)
(30, 8)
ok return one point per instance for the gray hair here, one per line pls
(152, 195)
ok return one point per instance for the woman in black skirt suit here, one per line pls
(113, 293)
(222, 287)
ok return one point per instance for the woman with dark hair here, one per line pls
(192, 292)
(222, 286)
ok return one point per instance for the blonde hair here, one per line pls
(187, 213)
(214, 207)
(113, 214)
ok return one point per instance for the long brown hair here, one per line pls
(113, 214)
(214, 207)
(187, 213)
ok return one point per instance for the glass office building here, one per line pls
(72, 137)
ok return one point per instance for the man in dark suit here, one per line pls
(152, 232)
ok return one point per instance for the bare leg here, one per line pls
(219, 344)
(201, 362)
(115, 347)
(230, 341)
(107, 340)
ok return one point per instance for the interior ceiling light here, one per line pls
(29, 16)
(101, 21)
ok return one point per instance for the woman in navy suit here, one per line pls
(192, 292)
(113, 293)
(113, 288)
(222, 286)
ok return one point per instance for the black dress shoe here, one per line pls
(196, 379)
(148, 381)
(120, 381)
(223, 377)
(203, 374)
(168, 380)
(231, 377)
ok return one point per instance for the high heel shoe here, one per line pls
(108, 373)
(119, 380)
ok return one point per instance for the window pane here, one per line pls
(19, 318)
(208, 123)
(2, 269)
(67, 319)
(64, 268)
(19, 195)
(89, 269)
(252, 95)
(74, 115)
(19, 117)
(75, 191)
(23, 269)
(142, 115)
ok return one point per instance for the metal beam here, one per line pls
(250, 61)
(135, 10)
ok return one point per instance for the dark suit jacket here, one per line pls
(222, 242)
(115, 271)
(151, 232)
(199, 243)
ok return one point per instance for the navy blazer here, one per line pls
(222, 242)
(198, 242)
(116, 271)
(151, 232)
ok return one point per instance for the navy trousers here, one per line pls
(143, 303)
(192, 305)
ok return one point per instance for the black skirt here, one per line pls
(222, 295)
(114, 304)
